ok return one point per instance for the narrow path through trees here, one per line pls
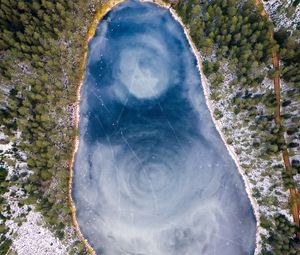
(285, 154)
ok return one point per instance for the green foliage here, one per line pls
(282, 238)
(4, 245)
(3, 229)
(290, 54)
(239, 31)
(35, 34)
(236, 32)
(3, 176)
(210, 67)
(218, 114)
(41, 50)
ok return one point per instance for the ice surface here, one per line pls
(152, 176)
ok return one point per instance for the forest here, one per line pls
(230, 30)
(41, 50)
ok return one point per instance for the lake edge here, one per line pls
(101, 12)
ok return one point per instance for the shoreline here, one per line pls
(277, 117)
(100, 13)
(218, 126)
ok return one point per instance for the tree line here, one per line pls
(40, 51)
(235, 31)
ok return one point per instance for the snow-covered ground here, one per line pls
(254, 167)
(27, 229)
(283, 13)
(294, 109)
(33, 238)
(264, 185)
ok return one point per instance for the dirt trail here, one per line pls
(285, 154)
(275, 60)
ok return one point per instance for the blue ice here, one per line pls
(152, 175)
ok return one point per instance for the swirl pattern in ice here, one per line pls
(152, 176)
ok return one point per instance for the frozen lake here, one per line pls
(152, 175)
